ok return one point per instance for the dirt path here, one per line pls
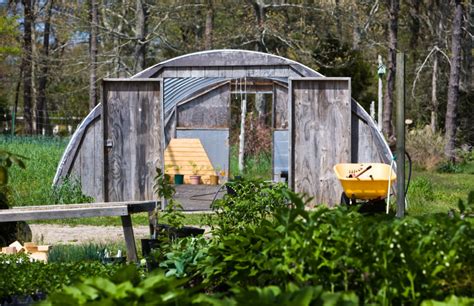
(63, 234)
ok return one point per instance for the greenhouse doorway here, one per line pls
(255, 99)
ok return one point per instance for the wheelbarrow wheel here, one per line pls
(345, 200)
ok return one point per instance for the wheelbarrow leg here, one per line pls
(345, 200)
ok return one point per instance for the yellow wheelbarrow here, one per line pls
(369, 182)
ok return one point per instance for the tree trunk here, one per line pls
(453, 89)
(259, 9)
(208, 31)
(414, 27)
(337, 15)
(434, 96)
(94, 21)
(42, 118)
(467, 83)
(394, 8)
(17, 98)
(140, 35)
(27, 66)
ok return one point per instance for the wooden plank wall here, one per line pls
(210, 110)
(280, 104)
(320, 135)
(88, 165)
(133, 133)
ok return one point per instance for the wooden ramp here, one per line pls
(182, 153)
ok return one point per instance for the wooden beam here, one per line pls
(129, 239)
(47, 212)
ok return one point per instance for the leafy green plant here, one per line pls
(7, 159)
(195, 168)
(69, 192)
(126, 288)
(183, 256)
(173, 210)
(250, 202)
(84, 252)
(384, 261)
(27, 277)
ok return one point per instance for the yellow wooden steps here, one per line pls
(183, 152)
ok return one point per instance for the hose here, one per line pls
(408, 182)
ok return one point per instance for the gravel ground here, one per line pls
(61, 234)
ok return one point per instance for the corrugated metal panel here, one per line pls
(280, 153)
(215, 142)
(179, 89)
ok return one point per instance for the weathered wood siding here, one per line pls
(210, 110)
(133, 133)
(88, 166)
(280, 106)
(320, 130)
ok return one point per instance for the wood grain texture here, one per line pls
(280, 100)
(207, 111)
(67, 165)
(129, 239)
(133, 127)
(47, 212)
(321, 135)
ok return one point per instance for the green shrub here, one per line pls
(20, 276)
(425, 148)
(382, 260)
(69, 192)
(252, 202)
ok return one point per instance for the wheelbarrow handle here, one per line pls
(360, 173)
(364, 171)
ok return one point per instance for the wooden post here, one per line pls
(242, 129)
(129, 238)
(400, 88)
(372, 110)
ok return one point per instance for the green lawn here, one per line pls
(432, 192)
(32, 186)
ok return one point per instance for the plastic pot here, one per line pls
(195, 179)
(178, 179)
(213, 179)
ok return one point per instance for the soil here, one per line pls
(63, 234)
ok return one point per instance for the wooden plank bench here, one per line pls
(108, 209)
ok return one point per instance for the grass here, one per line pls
(137, 219)
(254, 166)
(433, 192)
(32, 186)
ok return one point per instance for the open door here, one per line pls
(133, 135)
(320, 135)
